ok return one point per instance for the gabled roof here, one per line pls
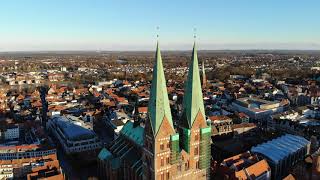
(258, 168)
(193, 100)
(142, 109)
(158, 107)
(242, 115)
(254, 171)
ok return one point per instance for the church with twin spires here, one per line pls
(160, 150)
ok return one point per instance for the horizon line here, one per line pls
(164, 50)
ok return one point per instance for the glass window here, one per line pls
(179, 167)
(196, 150)
(161, 147)
(168, 160)
(187, 165)
(196, 137)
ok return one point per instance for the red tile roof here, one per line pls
(143, 109)
(258, 168)
(219, 118)
(243, 115)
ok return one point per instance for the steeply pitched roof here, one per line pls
(289, 177)
(193, 100)
(158, 107)
(133, 133)
(104, 154)
(258, 168)
(142, 109)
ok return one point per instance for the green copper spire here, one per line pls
(193, 100)
(204, 79)
(158, 107)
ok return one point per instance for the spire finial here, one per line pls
(194, 33)
(158, 30)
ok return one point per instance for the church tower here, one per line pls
(161, 142)
(195, 134)
(167, 154)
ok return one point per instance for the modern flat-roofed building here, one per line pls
(257, 109)
(73, 137)
(282, 153)
(10, 132)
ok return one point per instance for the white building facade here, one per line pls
(72, 137)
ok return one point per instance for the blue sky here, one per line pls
(131, 25)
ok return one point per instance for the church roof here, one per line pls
(104, 154)
(193, 100)
(158, 107)
(133, 133)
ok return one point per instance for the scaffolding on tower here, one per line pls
(205, 148)
(175, 149)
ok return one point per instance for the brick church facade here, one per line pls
(164, 151)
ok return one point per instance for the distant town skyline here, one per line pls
(36, 25)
